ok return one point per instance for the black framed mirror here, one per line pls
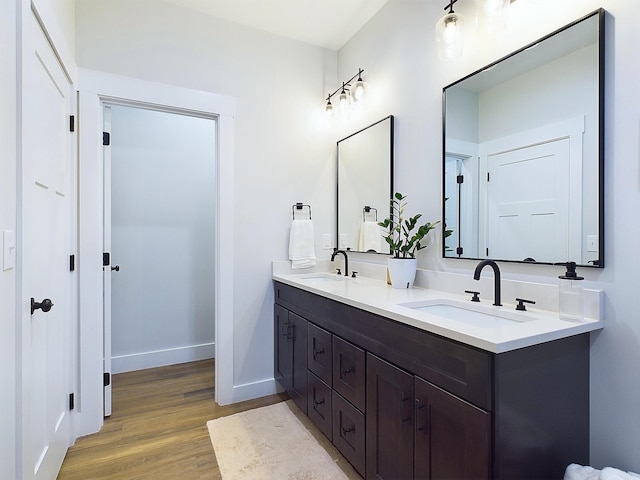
(523, 153)
(364, 187)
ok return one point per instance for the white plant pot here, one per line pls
(402, 271)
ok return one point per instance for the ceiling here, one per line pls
(325, 23)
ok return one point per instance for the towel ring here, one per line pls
(367, 209)
(299, 206)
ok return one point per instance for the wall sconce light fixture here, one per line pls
(349, 93)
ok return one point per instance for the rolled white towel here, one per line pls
(302, 250)
(370, 237)
(579, 472)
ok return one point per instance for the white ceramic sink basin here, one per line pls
(476, 314)
(321, 277)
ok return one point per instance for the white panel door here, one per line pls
(46, 204)
(527, 202)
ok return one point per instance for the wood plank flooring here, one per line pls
(157, 429)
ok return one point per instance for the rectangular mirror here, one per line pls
(523, 153)
(365, 186)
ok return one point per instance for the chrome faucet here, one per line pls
(496, 278)
(346, 260)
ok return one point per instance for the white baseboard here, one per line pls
(160, 358)
(249, 391)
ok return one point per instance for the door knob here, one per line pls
(45, 305)
(116, 268)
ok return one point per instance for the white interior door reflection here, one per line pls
(527, 192)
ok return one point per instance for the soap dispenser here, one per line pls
(570, 304)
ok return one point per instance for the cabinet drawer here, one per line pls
(348, 432)
(348, 372)
(319, 406)
(319, 356)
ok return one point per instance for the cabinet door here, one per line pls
(349, 372)
(389, 421)
(349, 432)
(453, 437)
(319, 359)
(282, 347)
(298, 392)
(319, 404)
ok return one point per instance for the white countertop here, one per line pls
(535, 326)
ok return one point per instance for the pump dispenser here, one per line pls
(571, 302)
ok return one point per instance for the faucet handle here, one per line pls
(353, 273)
(475, 297)
(338, 272)
(521, 302)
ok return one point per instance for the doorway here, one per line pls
(159, 205)
(96, 90)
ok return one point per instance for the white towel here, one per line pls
(302, 250)
(609, 473)
(579, 472)
(370, 237)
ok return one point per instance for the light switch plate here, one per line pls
(592, 243)
(8, 249)
(326, 241)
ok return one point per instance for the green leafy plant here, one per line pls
(402, 242)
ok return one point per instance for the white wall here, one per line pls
(282, 154)
(397, 47)
(8, 341)
(162, 211)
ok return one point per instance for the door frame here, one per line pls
(94, 89)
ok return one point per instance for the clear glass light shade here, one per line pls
(359, 90)
(490, 16)
(329, 110)
(449, 35)
(344, 99)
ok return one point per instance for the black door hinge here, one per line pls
(459, 251)
(106, 379)
(72, 123)
(72, 401)
(487, 176)
(72, 263)
(106, 259)
(106, 138)
(460, 179)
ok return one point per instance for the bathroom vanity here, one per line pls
(403, 394)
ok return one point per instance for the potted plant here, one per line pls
(405, 238)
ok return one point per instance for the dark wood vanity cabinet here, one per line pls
(452, 437)
(290, 367)
(403, 403)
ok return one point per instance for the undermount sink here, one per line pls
(479, 315)
(321, 277)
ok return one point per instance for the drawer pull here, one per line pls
(317, 352)
(316, 403)
(348, 430)
(347, 371)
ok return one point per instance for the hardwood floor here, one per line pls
(157, 429)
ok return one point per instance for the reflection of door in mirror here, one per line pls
(527, 202)
(365, 185)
